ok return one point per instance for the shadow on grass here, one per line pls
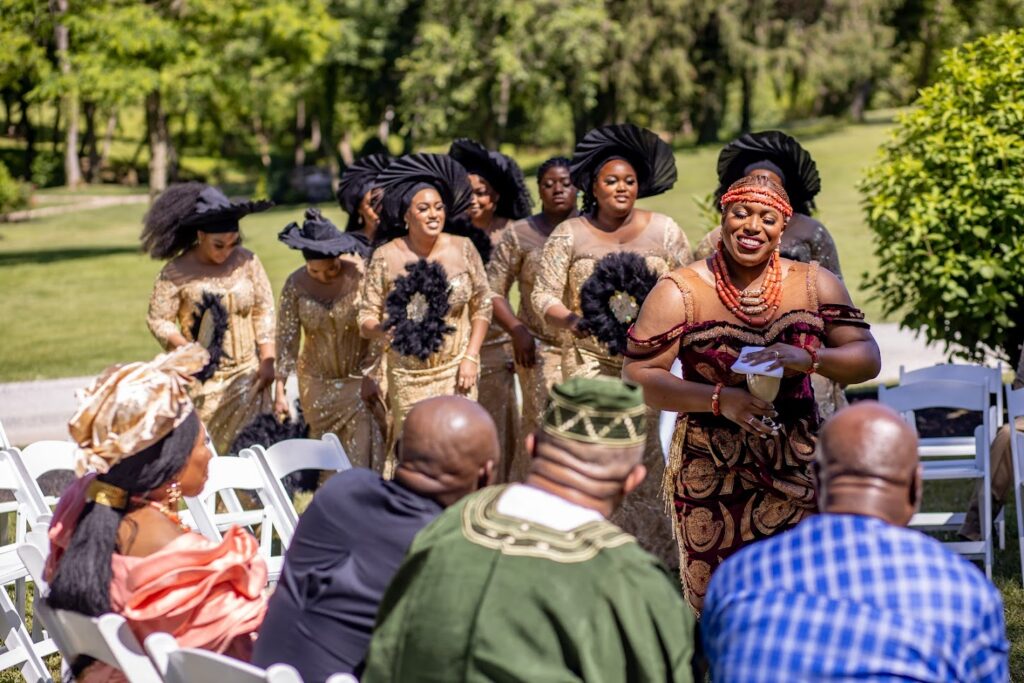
(18, 258)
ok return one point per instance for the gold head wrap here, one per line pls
(132, 406)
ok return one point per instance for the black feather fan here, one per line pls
(209, 325)
(612, 296)
(416, 308)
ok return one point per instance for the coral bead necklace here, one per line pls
(754, 307)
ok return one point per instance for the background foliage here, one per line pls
(133, 92)
(946, 204)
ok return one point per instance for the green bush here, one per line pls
(14, 194)
(47, 169)
(946, 204)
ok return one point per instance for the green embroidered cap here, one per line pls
(599, 410)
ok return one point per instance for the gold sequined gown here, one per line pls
(804, 240)
(228, 401)
(497, 392)
(568, 259)
(410, 379)
(516, 258)
(330, 364)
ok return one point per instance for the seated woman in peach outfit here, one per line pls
(116, 541)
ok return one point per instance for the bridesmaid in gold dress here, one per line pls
(499, 198)
(359, 197)
(537, 347)
(319, 302)
(614, 166)
(425, 291)
(215, 292)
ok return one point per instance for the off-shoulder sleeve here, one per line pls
(289, 331)
(833, 300)
(665, 318)
(506, 261)
(207, 595)
(480, 300)
(553, 269)
(162, 317)
(677, 245)
(263, 303)
(823, 250)
(371, 304)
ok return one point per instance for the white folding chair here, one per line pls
(228, 474)
(4, 441)
(105, 638)
(285, 457)
(1014, 410)
(189, 665)
(991, 377)
(44, 457)
(951, 463)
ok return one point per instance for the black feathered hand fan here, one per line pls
(612, 296)
(416, 308)
(209, 325)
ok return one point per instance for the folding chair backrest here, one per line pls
(106, 638)
(991, 377)
(226, 475)
(187, 665)
(43, 457)
(4, 441)
(33, 551)
(342, 678)
(14, 477)
(908, 398)
(293, 455)
(285, 457)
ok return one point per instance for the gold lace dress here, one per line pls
(805, 240)
(516, 258)
(497, 392)
(410, 379)
(569, 257)
(330, 364)
(228, 401)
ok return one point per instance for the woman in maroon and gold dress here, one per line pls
(732, 478)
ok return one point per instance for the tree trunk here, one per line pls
(861, 98)
(72, 167)
(29, 131)
(156, 122)
(90, 142)
(108, 141)
(314, 133)
(300, 133)
(384, 129)
(330, 95)
(504, 98)
(345, 149)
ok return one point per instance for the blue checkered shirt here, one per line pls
(844, 597)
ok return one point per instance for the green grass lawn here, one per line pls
(74, 288)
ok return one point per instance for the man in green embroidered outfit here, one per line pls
(530, 582)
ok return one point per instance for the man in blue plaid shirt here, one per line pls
(851, 593)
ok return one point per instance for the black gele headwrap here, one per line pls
(799, 172)
(500, 171)
(650, 156)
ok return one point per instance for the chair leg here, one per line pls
(986, 502)
(34, 669)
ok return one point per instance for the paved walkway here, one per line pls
(31, 411)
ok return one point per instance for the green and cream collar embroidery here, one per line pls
(483, 525)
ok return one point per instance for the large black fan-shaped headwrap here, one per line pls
(500, 171)
(356, 181)
(650, 156)
(318, 238)
(407, 175)
(416, 308)
(801, 180)
(612, 296)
